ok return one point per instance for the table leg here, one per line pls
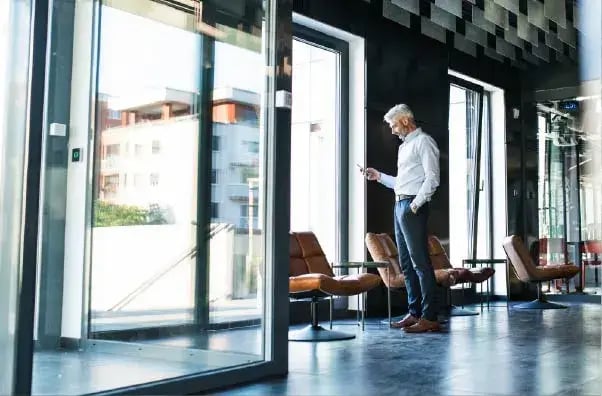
(481, 295)
(364, 297)
(389, 295)
(357, 311)
(330, 312)
(507, 286)
(489, 291)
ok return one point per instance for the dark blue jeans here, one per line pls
(412, 243)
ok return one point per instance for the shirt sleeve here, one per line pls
(387, 180)
(429, 157)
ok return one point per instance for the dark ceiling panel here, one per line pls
(519, 32)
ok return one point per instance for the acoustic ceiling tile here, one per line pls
(542, 52)
(552, 41)
(475, 34)
(465, 45)
(526, 31)
(511, 36)
(408, 5)
(568, 36)
(454, 7)
(494, 55)
(536, 16)
(531, 58)
(503, 48)
(478, 19)
(443, 18)
(496, 14)
(395, 13)
(432, 30)
(510, 5)
(556, 11)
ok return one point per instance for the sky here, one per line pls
(139, 53)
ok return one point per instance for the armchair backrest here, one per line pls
(307, 256)
(297, 265)
(519, 258)
(438, 256)
(382, 248)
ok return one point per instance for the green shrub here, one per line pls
(110, 215)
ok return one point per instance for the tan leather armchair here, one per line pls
(440, 260)
(311, 278)
(382, 248)
(527, 272)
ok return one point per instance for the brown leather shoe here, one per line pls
(407, 321)
(423, 326)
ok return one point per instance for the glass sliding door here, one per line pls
(145, 166)
(569, 199)
(14, 73)
(157, 251)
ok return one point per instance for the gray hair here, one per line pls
(400, 110)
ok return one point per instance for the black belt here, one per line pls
(401, 197)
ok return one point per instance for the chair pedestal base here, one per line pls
(313, 333)
(539, 304)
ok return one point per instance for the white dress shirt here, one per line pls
(417, 168)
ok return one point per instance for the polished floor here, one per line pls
(116, 365)
(500, 352)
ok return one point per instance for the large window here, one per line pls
(319, 141)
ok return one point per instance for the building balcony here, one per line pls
(110, 164)
(239, 192)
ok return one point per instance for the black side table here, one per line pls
(473, 263)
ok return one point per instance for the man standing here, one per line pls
(416, 181)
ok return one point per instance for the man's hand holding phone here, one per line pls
(370, 173)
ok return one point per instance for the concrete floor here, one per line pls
(497, 353)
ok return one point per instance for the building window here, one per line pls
(248, 172)
(113, 114)
(246, 115)
(137, 179)
(214, 210)
(154, 179)
(214, 176)
(138, 149)
(244, 211)
(252, 147)
(156, 146)
(112, 150)
(215, 143)
(111, 183)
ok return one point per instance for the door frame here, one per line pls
(453, 80)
